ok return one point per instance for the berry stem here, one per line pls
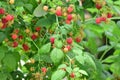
(35, 44)
(57, 21)
(105, 53)
(69, 59)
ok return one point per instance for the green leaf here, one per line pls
(111, 59)
(80, 11)
(58, 43)
(117, 51)
(115, 68)
(103, 48)
(45, 58)
(80, 59)
(3, 50)
(77, 51)
(38, 12)
(58, 75)
(83, 72)
(45, 48)
(29, 7)
(2, 36)
(92, 45)
(77, 45)
(56, 55)
(92, 10)
(116, 9)
(69, 69)
(117, 2)
(16, 56)
(9, 62)
(47, 21)
(89, 60)
(62, 66)
(3, 76)
(43, 1)
(76, 69)
(118, 24)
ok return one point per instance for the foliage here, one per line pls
(59, 39)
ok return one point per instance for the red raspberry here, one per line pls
(98, 6)
(103, 18)
(4, 26)
(20, 37)
(69, 47)
(44, 70)
(2, 11)
(78, 39)
(68, 21)
(69, 40)
(69, 17)
(109, 15)
(72, 75)
(4, 20)
(25, 47)
(33, 37)
(58, 12)
(37, 29)
(9, 17)
(69, 9)
(52, 39)
(14, 36)
(16, 31)
(98, 20)
(15, 44)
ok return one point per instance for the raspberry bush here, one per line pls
(59, 39)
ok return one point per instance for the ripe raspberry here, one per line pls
(9, 17)
(98, 6)
(72, 75)
(37, 29)
(20, 37)
(15, 44)
(33, 37)
(69, 47)
(103, 18)
(78, 39)
(58, 12)
(4, 26)
(2, 11)
(44, 70)
(16, 31)
(98, 20)
(69, 17)
(69, 40)
(52, 39)
(4, 20)
(68, 21)
(25, 47)
(109, 15)
(69, 9)
(14, 36)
